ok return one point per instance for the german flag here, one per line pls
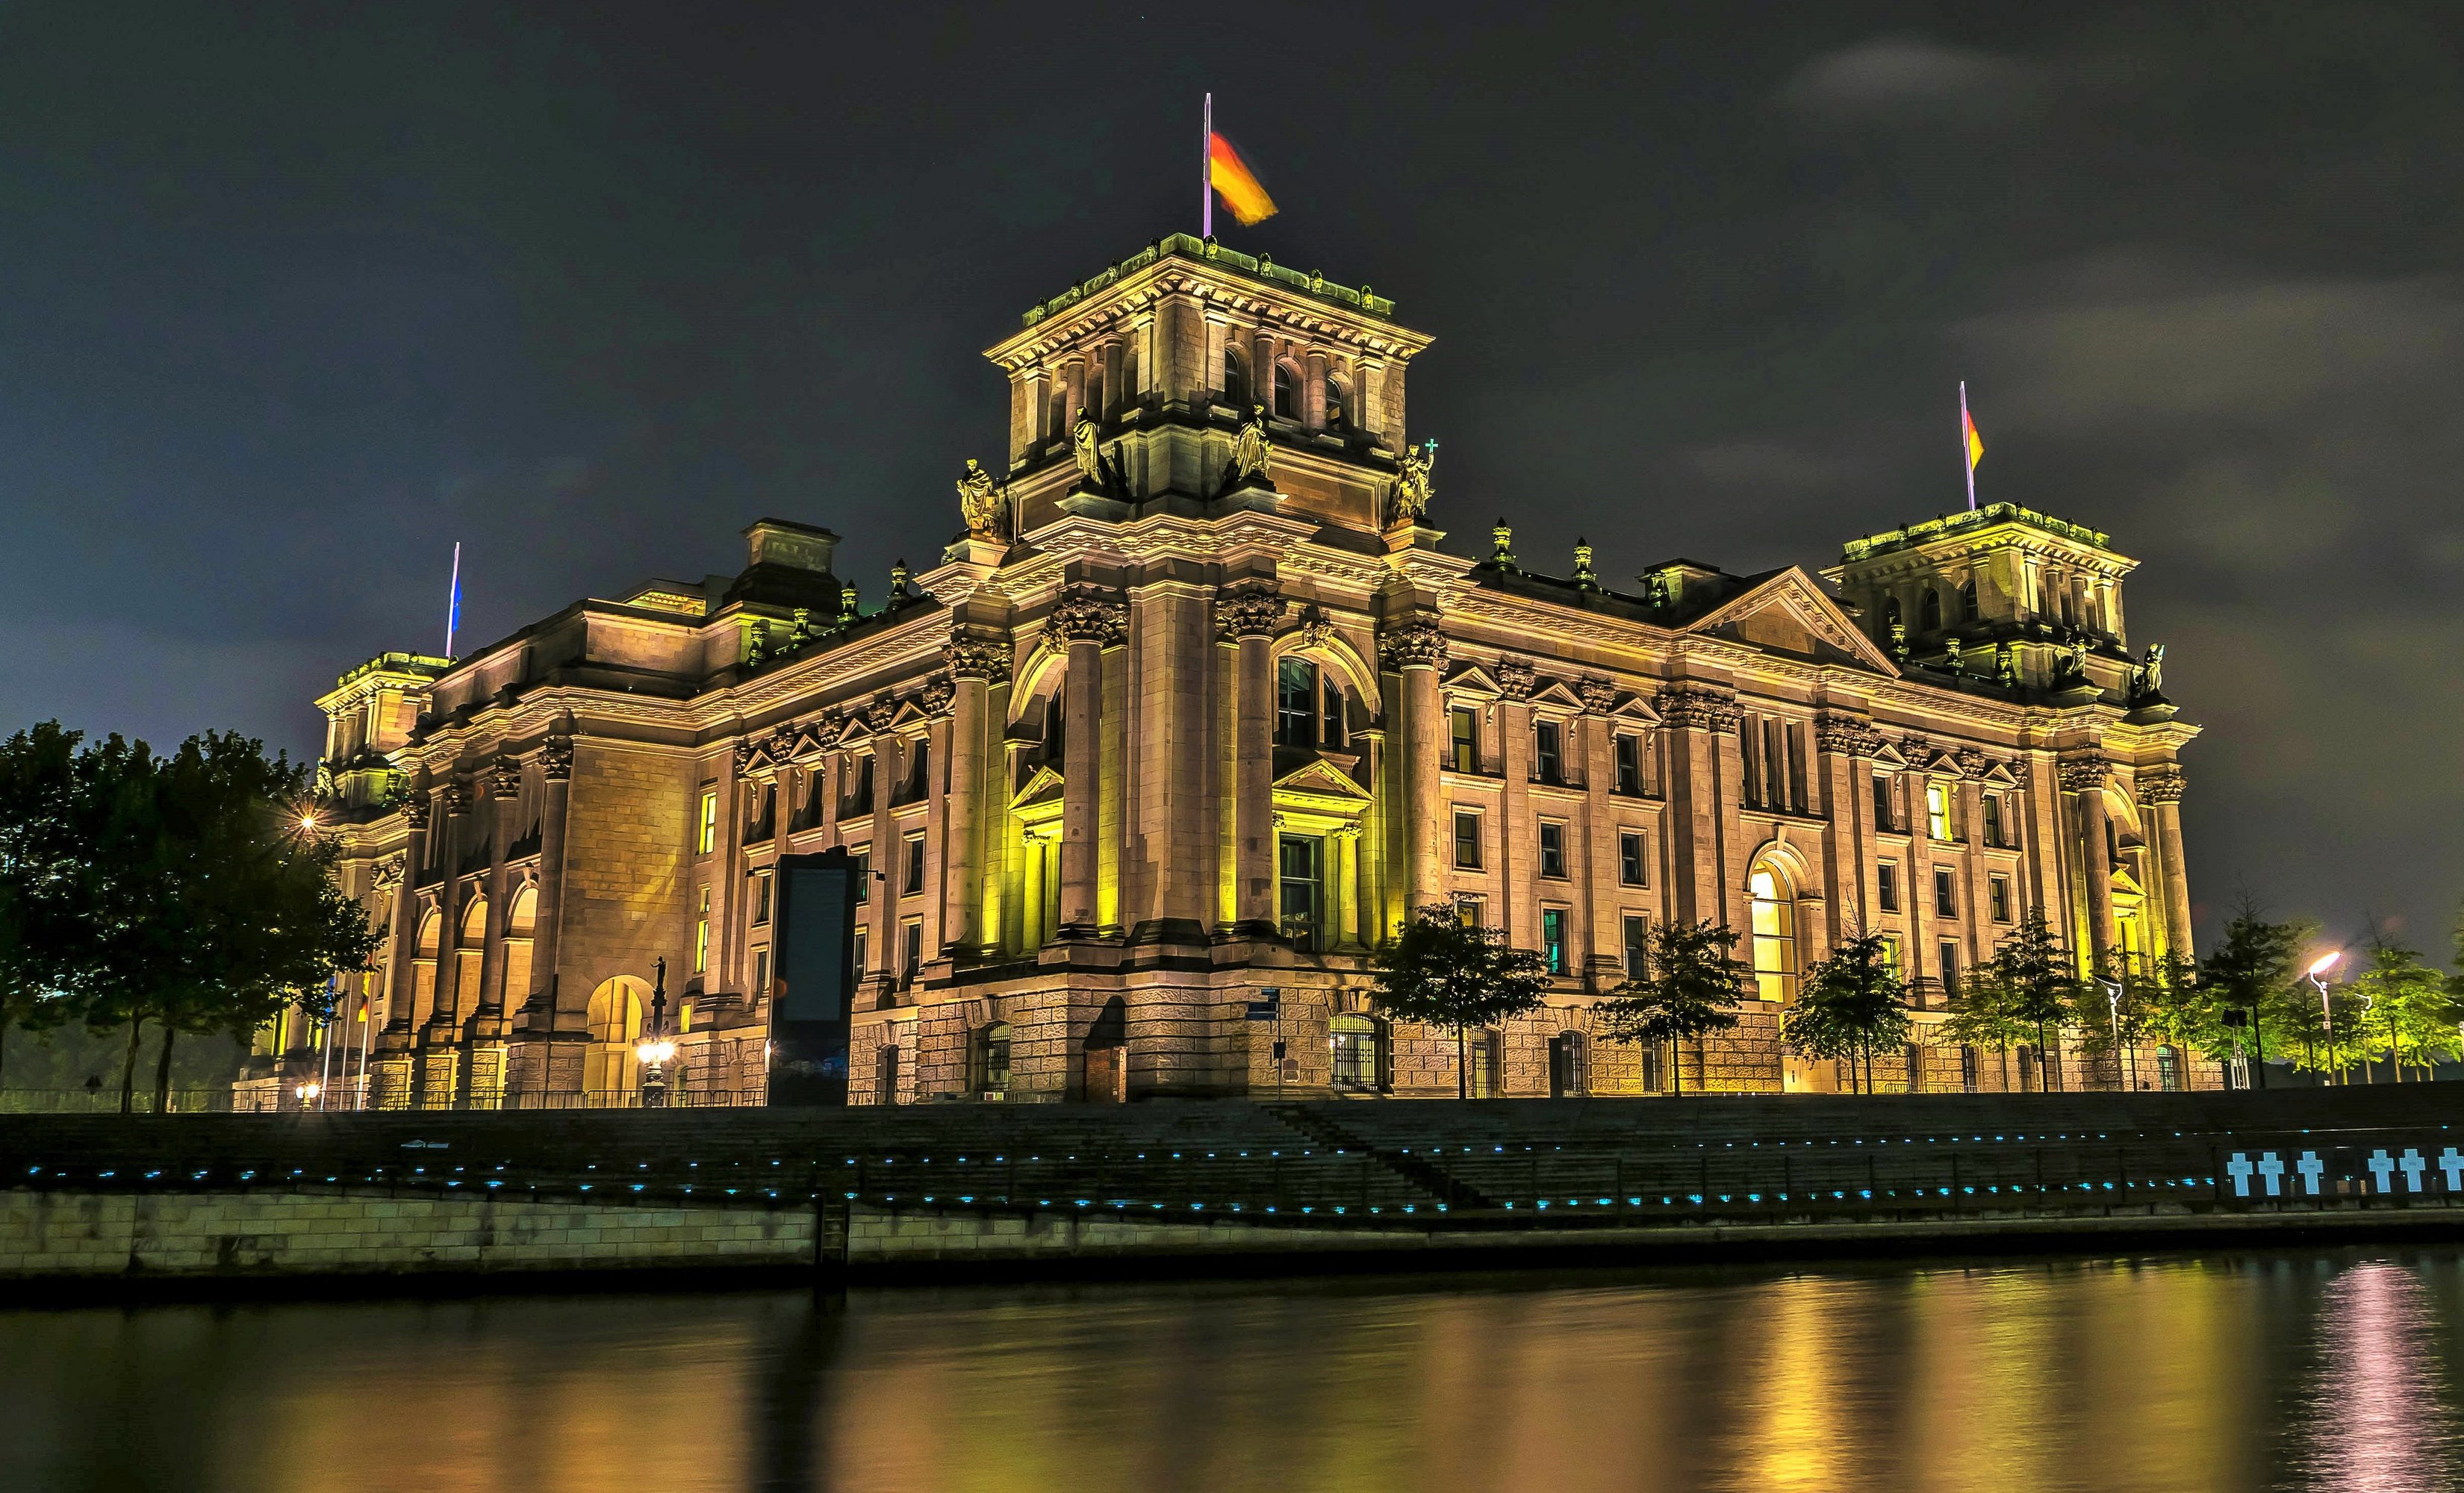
(1235, 182)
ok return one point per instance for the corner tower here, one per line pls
(1169, 351)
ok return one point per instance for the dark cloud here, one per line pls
(300, 296)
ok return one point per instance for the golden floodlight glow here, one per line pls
(655, 1052)
(2325, 962)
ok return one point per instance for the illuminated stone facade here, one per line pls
(1155, 734)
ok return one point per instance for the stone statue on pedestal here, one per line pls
(979, 501)
(1250, 448)
(1082, 446)
(1413, 487)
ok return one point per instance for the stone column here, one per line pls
(1342, 885)
(2159, 788)
(2085, 776)
(402, 971)
(1847, 745)
(505, 799)
(1085, 618)
(939, 697)
(543, 998)
(1250, 612)
(1416, 650)
(976, 660)
(444, 1017)
(1602, 889)
(1976, 910)
(1701, 793)
(882, 948)
(1518, 830)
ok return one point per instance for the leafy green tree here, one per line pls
(2258, 968)
(2181, 1012)
(2042, 982)
(1690, 987)
(1850, 1003)
(2110, 1014)
(1443, 973)
(2409, 1010)
(212, 910)
(1982, 1013)
(45, 936)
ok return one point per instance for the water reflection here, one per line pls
(2263, 1371)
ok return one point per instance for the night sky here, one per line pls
(290, 301)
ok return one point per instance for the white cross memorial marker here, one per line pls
(2271, 1169)
(2413, 1165)
(2383, 1168)
(2312, 1169)
(2240, 1169)
(2453, 1164)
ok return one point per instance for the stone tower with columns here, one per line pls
(1199, 708)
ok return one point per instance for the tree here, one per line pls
(1691, 984)
(1442, 972)
(45, 936)
(2256, 969)
(1982, 1013)
(212, 910)
(2041, 980)
(2407, 1010)
(2111, 1013)
(1850, 1003)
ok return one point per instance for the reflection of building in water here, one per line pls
(1163, 729)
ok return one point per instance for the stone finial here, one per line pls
(847, 612)
(2085, 773)
(1250, 610)
(556, 758)
(757, 644)
(1089, 614)
(1584, 576)
(1516, 678)
(1951, 651)
(2006, 666)
(505, 779)
(1418, 644)
(1502, 538)
(898, 576)
(1692, 708)
(1599, 696)
(2162, 784)
(973, 654)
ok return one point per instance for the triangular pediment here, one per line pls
(1321, 779)
(1790, 614)
(1042, 787)
(1472, 679)
(1559, 693)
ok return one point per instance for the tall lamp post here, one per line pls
(655, 1049)
(2318, 977)
(2113, 1004)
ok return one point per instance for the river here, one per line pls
(2326, 1370)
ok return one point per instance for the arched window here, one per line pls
(1308, 705)
(1773, 906)
(1890, 618)
(1360, 1052)
(1236, 379)
(610, 1072)
(423, 965)
(1930, 615)
(1967, 601)
(1337, 404)
(521, 925)
(988, 1060)
(1288, 392)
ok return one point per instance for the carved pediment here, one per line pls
(1472, 679)
(1788, 614)
(1042, 788)
(1321, 779)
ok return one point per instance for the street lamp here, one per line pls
(2318, 977)
(2113, 1003)
(654, 1049)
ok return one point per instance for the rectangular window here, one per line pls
(1886, 886)
(1938, 811)
(1882, 816)
(1629, 765)
(1992, 806)
(706, 834)
(1638, 946)
(1472, 912)
(912, 962)
(1468, 841)
(762, 973)
(761, 899)
(1891, 953)
(1553, 938)
(1997, 892)
(860, 941)
(1295, 703)
(1631, 867)
(913, 848)
(1949, 953)
(1297, 860)
(1945, 894)
(860, 800)
(1546, 763)
(1553, 850)
(1464, 746)
(701, 936)
(861, 859)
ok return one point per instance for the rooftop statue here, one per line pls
(980, 500)
(2151, 673)
(1249, 449)
(1081, 445)
(1413, 487)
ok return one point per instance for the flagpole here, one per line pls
(1966, 455)
(454, 599)
(1206, 169)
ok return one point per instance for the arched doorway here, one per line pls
(610, 1072)
(1771, 906)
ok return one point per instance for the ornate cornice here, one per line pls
(1250, 610)
(1418, 644)
(1697, 708)
(1089, 614)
